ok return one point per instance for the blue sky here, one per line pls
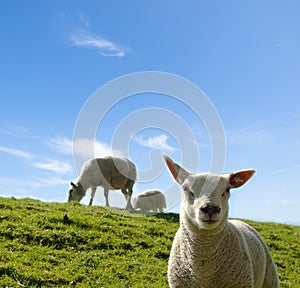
(244, 55)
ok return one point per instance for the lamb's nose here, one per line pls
(210, 209)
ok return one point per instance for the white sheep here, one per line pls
(208, 249)
(152, 200)
(111, 173)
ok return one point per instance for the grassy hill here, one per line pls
(70, 245)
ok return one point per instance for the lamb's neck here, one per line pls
(84, 183)
(89, 181)
(205, 242)
(202, 251)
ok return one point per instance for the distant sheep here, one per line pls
(152, 200)
(208, 249)
(111, 173)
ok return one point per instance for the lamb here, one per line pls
(208, 249)
(150, 200)
(111, 173)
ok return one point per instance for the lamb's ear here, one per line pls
(239, 178)
(73, 185)
(177, 171)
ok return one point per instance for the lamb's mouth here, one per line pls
(210, 221)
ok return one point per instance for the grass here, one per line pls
(70, 245)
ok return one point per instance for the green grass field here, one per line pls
(71, 245)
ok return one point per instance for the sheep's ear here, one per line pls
(239, 178)
(73, 185)
(177, 171)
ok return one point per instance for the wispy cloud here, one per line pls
(46, 182)
(91, 148)
(15, 152)
(284, 170)
(83, 147)
(54, 166)
(49, 165)
(84, 19)
(34, 182)
(248, 136)
(157, 142)
(62, 144)
(14, 130)
(105, 47)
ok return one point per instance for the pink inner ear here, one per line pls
(172, 169)
(240, 178)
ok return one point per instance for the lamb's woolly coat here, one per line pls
(111, 173)
(152, 200)
(210, 251)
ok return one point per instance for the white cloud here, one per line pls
(14, 130)
(92, 148)
(86, 148)
(105, 47)
(50, 165)
(54, 166)
(62, 144)
(32, 183)
(156, 142)
(15, 152)
(52, 181)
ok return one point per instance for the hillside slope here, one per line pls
(70, 245)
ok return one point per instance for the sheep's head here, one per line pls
(76, 192)
(205, 196)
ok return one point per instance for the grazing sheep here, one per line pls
(208, 249)
(111, 173)
(152, 200)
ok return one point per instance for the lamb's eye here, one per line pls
(227, 190)
(186, 189)
(188, 192)
(191, 196)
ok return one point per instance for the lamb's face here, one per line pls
(76, 193)
(205, 196)
(205, 199)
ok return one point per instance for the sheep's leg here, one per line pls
(106, 196)
(124, 191)
(128, 205)
(128, 196)
(92, 195)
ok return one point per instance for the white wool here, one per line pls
(152, 200)
(111, 173)
(210, 251)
